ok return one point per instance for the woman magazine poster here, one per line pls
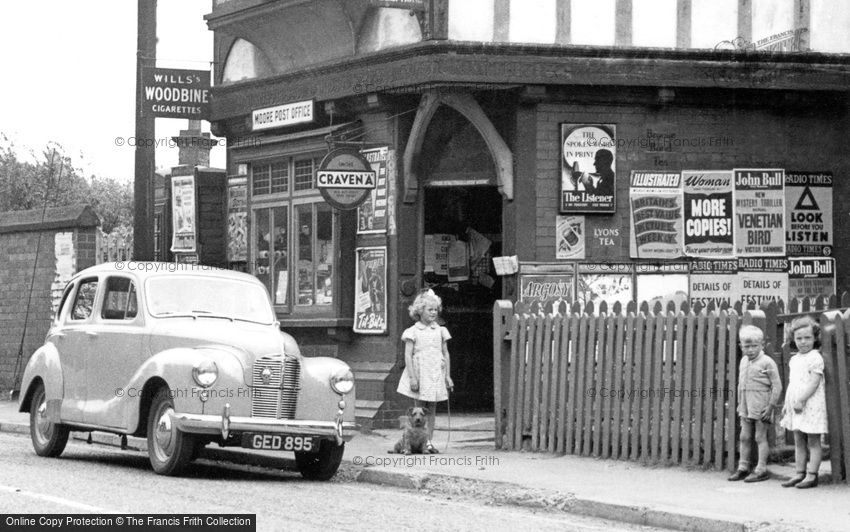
(370, 294)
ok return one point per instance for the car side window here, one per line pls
(119, 301)
(68, 290)
(84, 301)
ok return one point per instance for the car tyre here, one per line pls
(169, 450)
(48, 438)
(321, 465)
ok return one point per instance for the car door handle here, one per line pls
(58, 335)
(91, 333)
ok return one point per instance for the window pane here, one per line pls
(261, 262)
(84, 301)
(281, 249)
(261, 178)
(304, 174)
(325, 247)
(280, 177)
(304, 222)
(116, 301)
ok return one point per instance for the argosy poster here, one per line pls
(808, 213)
(708, 213)
(655, 200)
(588, 173)
(759, 212)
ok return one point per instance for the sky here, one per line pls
(70, 74)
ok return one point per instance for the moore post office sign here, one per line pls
(288, 114)
(176, 93)
(345, 178)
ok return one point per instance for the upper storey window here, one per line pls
(245, 61)
(387, 28)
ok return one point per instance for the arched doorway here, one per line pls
(461, 230)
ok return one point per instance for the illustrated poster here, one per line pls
(569, 237)
(708, 213)
(759, 212)
(588, 168)
(811, 277)
(655, 206)
(183, 214)
(713, 281)
(808, 213)
(761, 280)
(372, 213)
(370, 294)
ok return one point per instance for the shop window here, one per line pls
(315, 254)
(272, 251)
(270, 178)
(304, 174)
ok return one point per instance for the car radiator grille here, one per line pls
(278, 397)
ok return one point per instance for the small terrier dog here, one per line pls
(414, 439)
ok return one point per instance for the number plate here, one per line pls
(280, 442)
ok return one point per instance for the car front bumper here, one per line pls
(225, 424)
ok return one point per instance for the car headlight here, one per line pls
(343, 382)
(205, 373)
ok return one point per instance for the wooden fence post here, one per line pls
(502, 326)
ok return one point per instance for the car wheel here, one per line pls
(48, 438)
(321, 465)
(169, 450)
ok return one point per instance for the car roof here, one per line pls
(146, 269)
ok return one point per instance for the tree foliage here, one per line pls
(52, 177)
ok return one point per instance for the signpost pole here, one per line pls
(145, 129)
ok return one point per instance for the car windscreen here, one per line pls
(214, 297)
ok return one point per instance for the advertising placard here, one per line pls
(569, 237)
(655, 206)
(611, 283)
(288, 114)
(759, 212)
(370, 294)
(237, 219)
(183, 214)
(176, 93)
(761, 280)
(811, 277)
(588, 168)
(713, 281)
(662, 283)
(708, 213)
(345, 178)
(808, 213)
(372, 213)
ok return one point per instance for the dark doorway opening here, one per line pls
(471, 215)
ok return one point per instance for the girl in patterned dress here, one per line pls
(805, 402)
(426, 356)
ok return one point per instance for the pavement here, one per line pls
(469, 465)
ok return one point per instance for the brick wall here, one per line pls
(28, 249)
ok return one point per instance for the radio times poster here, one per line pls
(713, 281)
(759, 212)
(761, 280)
(370, 294)
(708, 213)
(808, 213)
(655, 201)
(588, 168)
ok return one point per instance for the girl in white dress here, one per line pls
(426, 356)
(805, 402)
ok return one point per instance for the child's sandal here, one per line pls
(809, 483)
(793, 481)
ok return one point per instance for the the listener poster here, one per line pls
(588, 168)
(708, 213)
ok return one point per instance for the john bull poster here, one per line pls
(808, 214)
(655, 201)
(759, 212)
(372, 213)
(761, 280)
(588, 168)
(811, 277)
(183, 214)
(708, 213)
(370, 294)
(713, 282)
